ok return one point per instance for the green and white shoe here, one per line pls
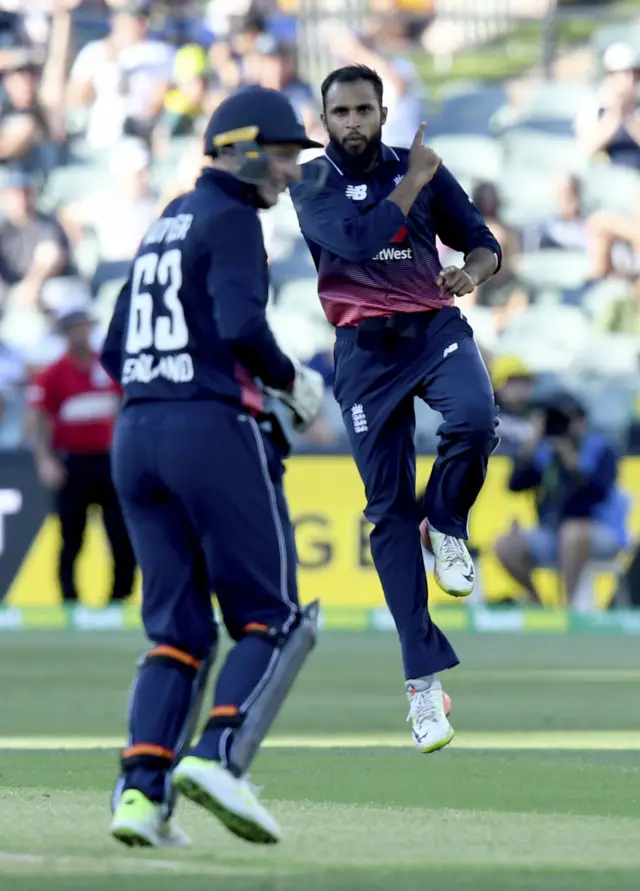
(233, 801)
(138, 823)
(428, 715)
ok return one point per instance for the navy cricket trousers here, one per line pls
(376, 388)
(201, 490)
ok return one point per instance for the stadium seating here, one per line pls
(542, 152)
(546, 337)
(482, 321)
(72, 183)
(613, 188)
(466, 107)
(609, 353)
(600, 295)
(549, 106)
(527, 195)
(555, 269)
(470, 157)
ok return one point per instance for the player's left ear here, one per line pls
(383, 115)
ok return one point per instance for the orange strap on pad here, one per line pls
(275, 636)
(172, 654)
(147, 754)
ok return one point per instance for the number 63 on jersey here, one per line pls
(157, 324)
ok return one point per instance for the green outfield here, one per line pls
(540, 789)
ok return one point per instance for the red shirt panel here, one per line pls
(82, 402)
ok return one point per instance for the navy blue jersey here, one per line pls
(190, 321)
(372, 260)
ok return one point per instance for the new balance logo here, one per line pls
(359, 418)
(450, 349)
(398, 179)
(356, 193)
(394, 254)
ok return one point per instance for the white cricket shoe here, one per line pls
(454, 569)
(139, 823)
(428, 714)
(233, 801)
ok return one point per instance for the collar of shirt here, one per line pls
(228, 183)
(388, 157)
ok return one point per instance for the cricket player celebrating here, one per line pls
(197, 465)
(372, 233)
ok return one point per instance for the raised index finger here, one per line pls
(419, 137)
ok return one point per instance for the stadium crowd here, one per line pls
(101, 116)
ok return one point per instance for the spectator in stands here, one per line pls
(57, 295)
(417, 15)
(183, 23)
(405, 103)
(390, 37)
(581, 512)
(184, 102)
(214, 96)
(14, 38)
(620, 314)
(23, 123)
(387, 29)
(513, 386)
(243, 38)
(610, 125)
(188, 170)
(73, 406)
(33, 245)
(123, 78)
(119, 214)
(226, 18)
(567, 228)
(32, 102)
(226, 67)
(504, 292)
(487, 199)
(274, 65)
(614, 242)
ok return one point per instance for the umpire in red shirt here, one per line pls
(73, 407)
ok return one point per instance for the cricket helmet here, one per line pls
(251, 118)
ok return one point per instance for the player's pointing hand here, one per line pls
(456, 281)
(423, 161)
(418, 139)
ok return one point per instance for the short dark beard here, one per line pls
(365, 160)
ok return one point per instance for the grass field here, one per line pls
(540, 789)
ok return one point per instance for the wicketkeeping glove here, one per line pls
(305, 397)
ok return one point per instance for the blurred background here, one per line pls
(533, 104)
